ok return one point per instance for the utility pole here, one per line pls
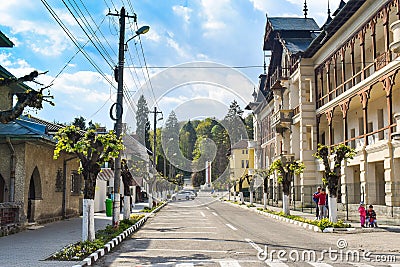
(155, 112)
(119, 111)
(119, 104)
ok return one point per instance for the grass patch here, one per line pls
(80, 250)
(148, 210)
(251, 205)
(322, 224)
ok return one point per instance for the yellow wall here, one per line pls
(235, 161)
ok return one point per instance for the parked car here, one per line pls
(183, 195)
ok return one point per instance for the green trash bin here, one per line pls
(109, 207)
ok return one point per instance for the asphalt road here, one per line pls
(207, 232)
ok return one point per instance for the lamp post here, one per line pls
(119, 106)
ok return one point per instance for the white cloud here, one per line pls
(183, 12)
(181, 52)
(217, 14)
(261, 5)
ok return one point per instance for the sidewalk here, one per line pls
(311, 216)
(32, 247)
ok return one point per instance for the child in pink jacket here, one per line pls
(363, 214)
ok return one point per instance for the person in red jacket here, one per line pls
(321, 203)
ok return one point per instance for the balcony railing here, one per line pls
(279, 75)
(282, 118)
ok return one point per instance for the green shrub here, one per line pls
(322, 224)
(81, 250)
(250, 205)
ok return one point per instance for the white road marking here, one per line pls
(174, 232)
(207, 208)
(359, 264)
(275, 263)
(202, 214)
(394, 265)
(215, 214)
(229, 263)
(175, 239)
(231, 226)
(254, 245)
(180, 250)
(319, 264)
(184, 265)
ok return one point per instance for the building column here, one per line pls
(329, 117)
(361, 36)
(345, 107)
(388, 82)
(389, 166)
(364, 172)
(364, 96)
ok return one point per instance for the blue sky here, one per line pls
(219, 33)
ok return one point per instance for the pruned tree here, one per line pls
(286, 171)
(93, 150)
(332, 160)
(127, 180)
(29, 98)
(264, 174)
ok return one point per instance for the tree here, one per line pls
(29, 98)
(142, 122)
(80, 122)
(221, 161)
(264, 174)
(331, 176)
(93, 151)
(249, 126)
(127, 179)
(286, 171)
(187, 140)
(234, 123)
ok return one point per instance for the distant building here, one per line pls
(241, 162)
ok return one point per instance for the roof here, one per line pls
(341, 17)
(15, 87)
(52, 128)
(241, 144)
(22, 128)
(293, 24)
(4, 41)
(296, 45)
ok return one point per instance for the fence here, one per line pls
(384, 197)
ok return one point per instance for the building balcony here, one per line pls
(282, 119)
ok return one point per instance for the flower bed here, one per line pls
(81, 250)
(148, 210)
(322, 224)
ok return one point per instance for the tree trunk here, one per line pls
(286, 204)
(127, 207)
(88, 232)
(332, 209)
(241, 197)
(265, 200)
(251, 197)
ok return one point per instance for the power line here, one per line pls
(198, 67)
(76, 43)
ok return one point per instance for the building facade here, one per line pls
(331, 85)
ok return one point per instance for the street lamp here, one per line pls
(141, 30)
(119, 108)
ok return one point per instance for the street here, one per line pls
(207, 232)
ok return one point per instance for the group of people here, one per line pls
(367, 216)
(321, 200)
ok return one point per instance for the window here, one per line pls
(76, 183)
(242, 151)
(352, 135)
(247, 163)
(59, 180)
(242, 164)
(380, 124)
(247, 151)
(309, 137)
(361, 126)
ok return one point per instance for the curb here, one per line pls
(117, 240)
(280, 218)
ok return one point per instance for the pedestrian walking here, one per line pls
(321, 203)
(363, 214)
(315, 199)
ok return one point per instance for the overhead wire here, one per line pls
(75, 41)
(86, 33)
